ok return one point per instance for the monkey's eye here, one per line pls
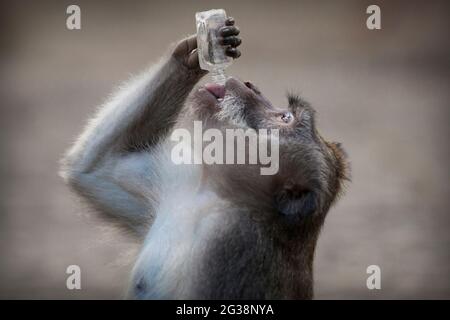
(287, 117)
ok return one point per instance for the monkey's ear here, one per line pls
(294, 201)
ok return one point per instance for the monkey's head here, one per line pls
(310, 171)
(285, 210)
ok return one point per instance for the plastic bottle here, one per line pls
(211, 53)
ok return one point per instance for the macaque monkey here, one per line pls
(209, 231)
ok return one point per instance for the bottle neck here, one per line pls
(218, 76)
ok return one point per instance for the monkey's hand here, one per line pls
(186, 49)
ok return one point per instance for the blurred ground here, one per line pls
(384, 94)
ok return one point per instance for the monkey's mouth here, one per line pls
(217, 90)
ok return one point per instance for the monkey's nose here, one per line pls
(243, 87)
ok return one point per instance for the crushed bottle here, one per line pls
(211, 53)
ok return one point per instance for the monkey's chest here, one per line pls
(177, 241)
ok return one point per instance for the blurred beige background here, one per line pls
(384, 94)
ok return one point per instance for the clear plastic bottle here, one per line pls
(211, 53)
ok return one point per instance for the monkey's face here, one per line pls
(311, 169)
(241, 104)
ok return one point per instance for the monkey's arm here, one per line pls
(111, 162)
(114, 163)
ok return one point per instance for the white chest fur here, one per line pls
(186, 217)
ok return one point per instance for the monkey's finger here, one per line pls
(230, 41)
(229, 21)
(193, 59)
(185, 46)
(233, 52)
(191, 43)
(229, 31)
